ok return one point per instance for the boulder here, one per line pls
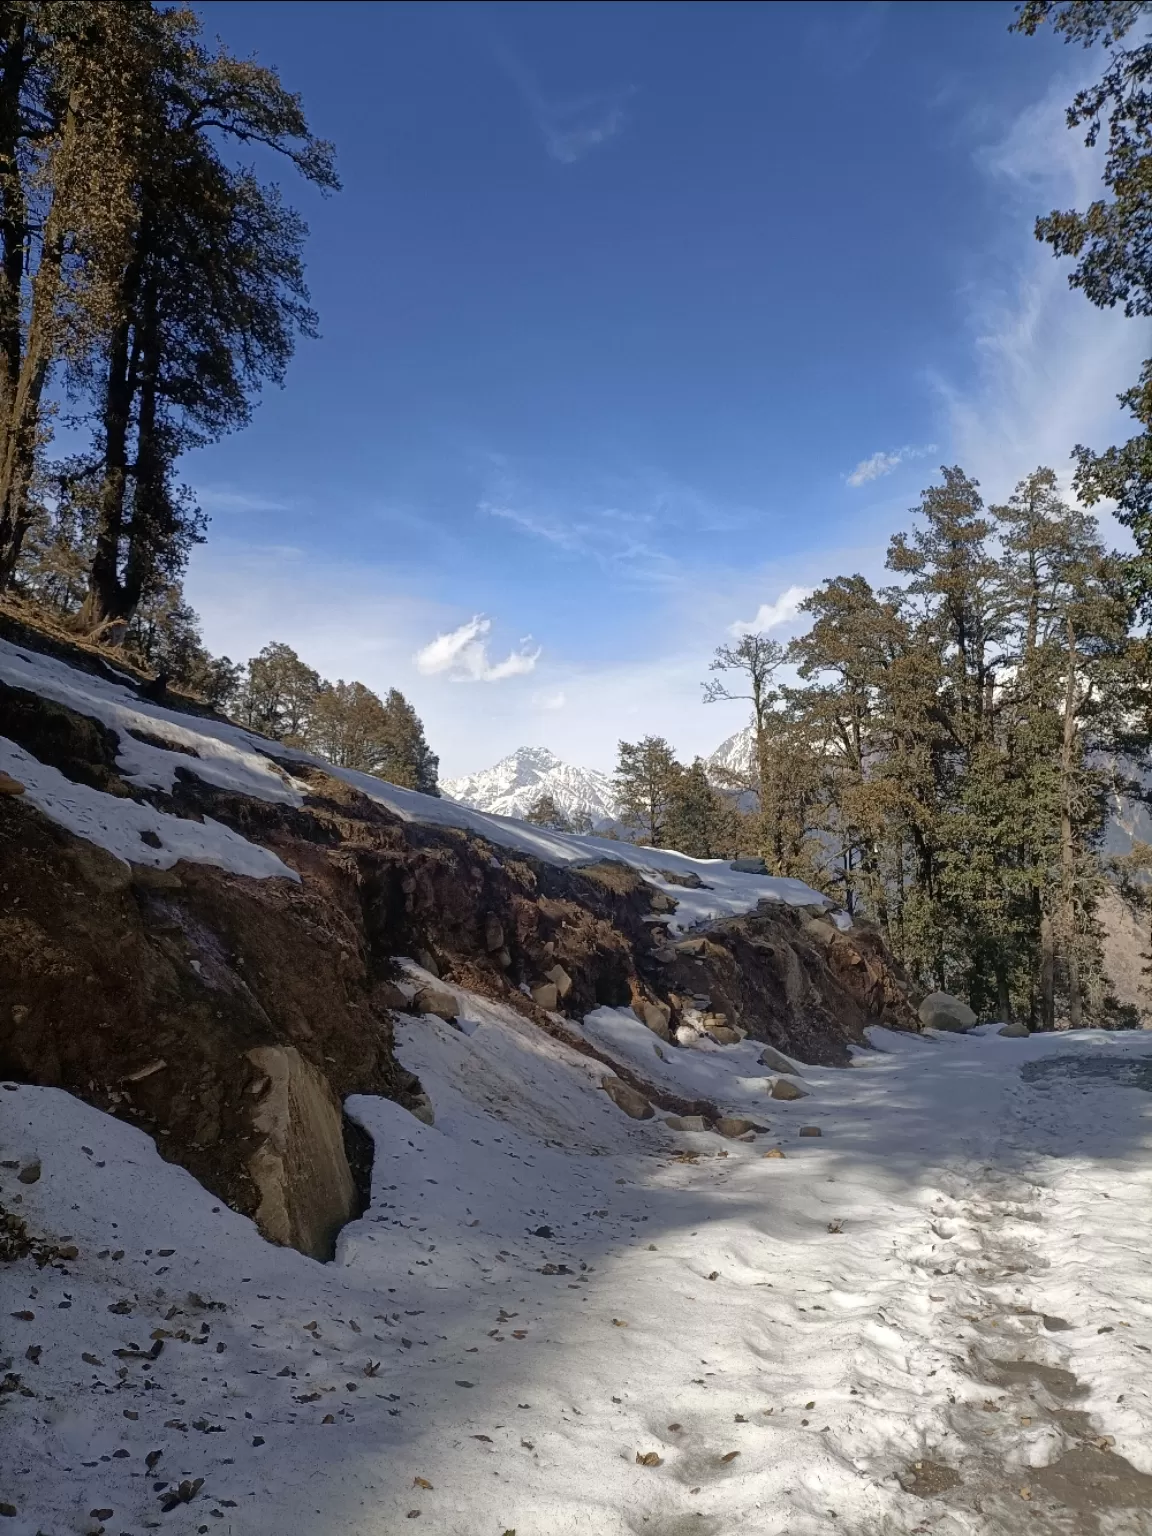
(820, 929)
(687, 1122)
(503, 959)
(770, 1057)
(686, 1035)
(630, 1100)
(749, 866)
(735, 1126)
(656, 1016)
(724, 1034)
(435, 1000)
(1015, 1031)
(562, 979)
(300, 1169)
(10, 786)
(547, 996)
(493, 933)
(940, 1010)
(389, 995)
(782, 1089)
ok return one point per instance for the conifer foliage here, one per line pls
(283, 697)
(944, 760)
(144, 275)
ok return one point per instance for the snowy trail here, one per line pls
(543, 1291)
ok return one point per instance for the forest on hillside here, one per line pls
(939, 753)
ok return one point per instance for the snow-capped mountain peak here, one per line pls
(737, 754)
(513, 786)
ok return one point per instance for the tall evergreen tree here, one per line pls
(646, 774)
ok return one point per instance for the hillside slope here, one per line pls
(203, 933)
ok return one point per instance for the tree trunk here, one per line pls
(1068, 925)
(104, 599)
(20, 429)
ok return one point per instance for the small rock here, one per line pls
(687, 1123)
(503, 959)
(630, 1100)
(493, 933)
(421, 1107)
(810, 1130)
(12, 787)
(734, 1126)
(30, 1173)
(774, 1152)
(782, 1089)
(547, 996)
(389, 995)
(940, 1010)
(820, 929)
(723, 1033)
(562, 980)
(1015, 1031)
(438, 1001)
(692, 947)
(770, 1057)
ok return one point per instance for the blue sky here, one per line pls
(635, 320)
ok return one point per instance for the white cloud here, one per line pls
(573, 126)
(880, 464)
(772, 615)
(462, 656)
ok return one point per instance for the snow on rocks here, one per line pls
(154, 742)
(136, 833)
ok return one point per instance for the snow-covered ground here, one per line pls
(554, 1319)
(154, 743)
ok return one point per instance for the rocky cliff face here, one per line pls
(230, 1014)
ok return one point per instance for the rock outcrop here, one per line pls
(230, 1016)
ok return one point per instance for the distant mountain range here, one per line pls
(514, 785)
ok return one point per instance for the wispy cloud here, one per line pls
(222, 498)
(571, 126)
(1048, 364)
(883, 463)
(632, 526)
(462, 656)
(772, 615)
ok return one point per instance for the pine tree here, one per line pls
(646, 774)
(205, 299)
(544, 812)
(700, 821)
(278, 695)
